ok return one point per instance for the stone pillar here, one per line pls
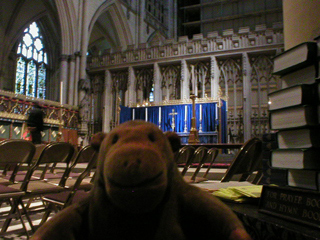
(214, 77)
(157, 83)
(246, 73)
(63, 78)
(84, 41)
(76, 79)
(185, 91)
(131, 87)
(71, 92)
(301, 21)
(84, 104)
(107, 102)
(97, 101)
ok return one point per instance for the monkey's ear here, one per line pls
(174, 140)
(97, 139)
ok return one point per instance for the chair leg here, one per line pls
(47, 213)
(196, 172)
(27, 216)
(23, 224)
(14, 211)
(10, 216)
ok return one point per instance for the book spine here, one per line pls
(288, 203)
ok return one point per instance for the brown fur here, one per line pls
(140, 194)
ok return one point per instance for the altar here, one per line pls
(211, 119)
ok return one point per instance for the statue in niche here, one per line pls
(84, 108)
(84, 97)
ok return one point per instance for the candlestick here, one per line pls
(133, 114)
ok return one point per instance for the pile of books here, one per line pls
(293, 113)
(292, 149)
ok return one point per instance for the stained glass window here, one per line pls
(31, 64)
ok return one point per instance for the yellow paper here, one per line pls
(239, 194)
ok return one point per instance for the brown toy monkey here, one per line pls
(139, 194)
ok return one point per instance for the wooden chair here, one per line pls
(58, 201)
(211, 157)
(196, 160)
(240, 173)
(85, 155)
(58, 152)
(14, 152)
(246, 162)
(19, 172)
(17, 150)
(184, 155)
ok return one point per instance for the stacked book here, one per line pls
(293, 113)
(277, 176)
(293, 146)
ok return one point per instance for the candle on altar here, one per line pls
(146, 117)
(200, 112)
(216, 111)
(159, 114)
(185, 112)
(61, 92)
(133, 114)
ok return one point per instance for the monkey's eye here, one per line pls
(151, 137)
(115, 139)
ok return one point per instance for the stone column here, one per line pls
(157, 83)
(185, 91)
(246, 73)
(63, 78)
(76, 79)
(84, 41)
(131, 86)
(71, 92)
(107, 102)
(84, 104)
(214, 77)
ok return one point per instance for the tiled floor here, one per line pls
(15, 230)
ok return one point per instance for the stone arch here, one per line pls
(118, 17)
(156, 39)
(67, 16)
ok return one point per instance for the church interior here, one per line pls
(203, 69)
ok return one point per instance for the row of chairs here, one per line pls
(246, 162)
(40, 171)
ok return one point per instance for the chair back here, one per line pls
(15, 152)
(86, 154)
(199, 161)
(183, 155)
(57, 152)
(53, 153)
(91, 164)
(210, 159)
(247, 160)
(197, 157)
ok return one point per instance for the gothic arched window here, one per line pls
(31, 64)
